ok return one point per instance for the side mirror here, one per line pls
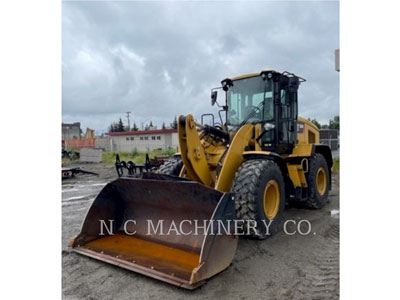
(213, 97)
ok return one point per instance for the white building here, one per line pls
(144, 140)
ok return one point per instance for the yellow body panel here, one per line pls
(297, 176)
(310, 134)
(302, 150)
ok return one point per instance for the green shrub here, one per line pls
(135, 155)
(169, 151)
(336, 165)
(134, 152)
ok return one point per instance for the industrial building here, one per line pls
(330, 137)
(143, 140)
(71, 131)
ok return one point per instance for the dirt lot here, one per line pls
(281, 267)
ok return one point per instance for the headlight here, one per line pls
(269, 126)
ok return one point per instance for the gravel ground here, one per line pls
(281, 267)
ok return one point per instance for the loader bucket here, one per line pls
(159, 226)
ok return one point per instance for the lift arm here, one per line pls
(192, 151)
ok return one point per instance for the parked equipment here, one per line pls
(151, 164)
(70, 172)
(72, 155)
(248, 167)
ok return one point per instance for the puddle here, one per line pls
(75, 198)
(69, 190)
(77, 201)
(98, 184)
(335, 213)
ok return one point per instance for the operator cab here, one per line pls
(269, 98)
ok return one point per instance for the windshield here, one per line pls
(245, 99)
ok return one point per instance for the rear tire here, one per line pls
(259, 196)
(172, 166)
(318, 182)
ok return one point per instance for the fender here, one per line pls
(267, 155)
(278, 160)
(325, 151)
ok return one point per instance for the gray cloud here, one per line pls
(159, 60)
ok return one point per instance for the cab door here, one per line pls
(287, 119)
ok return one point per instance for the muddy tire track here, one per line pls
(324, 283)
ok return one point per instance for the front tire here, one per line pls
(259, 197)
(172, 166)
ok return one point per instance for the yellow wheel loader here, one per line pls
(242, 171)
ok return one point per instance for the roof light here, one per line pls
(226, 83)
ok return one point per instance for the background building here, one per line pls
(329, 137)
(71, 131)
(144, 140)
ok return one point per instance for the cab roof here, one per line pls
(250, 75)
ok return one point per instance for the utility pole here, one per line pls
(337, 60)
(129, 122)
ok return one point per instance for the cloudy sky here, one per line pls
(159, 60)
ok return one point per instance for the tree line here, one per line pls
(333, 123)
(120, 126)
